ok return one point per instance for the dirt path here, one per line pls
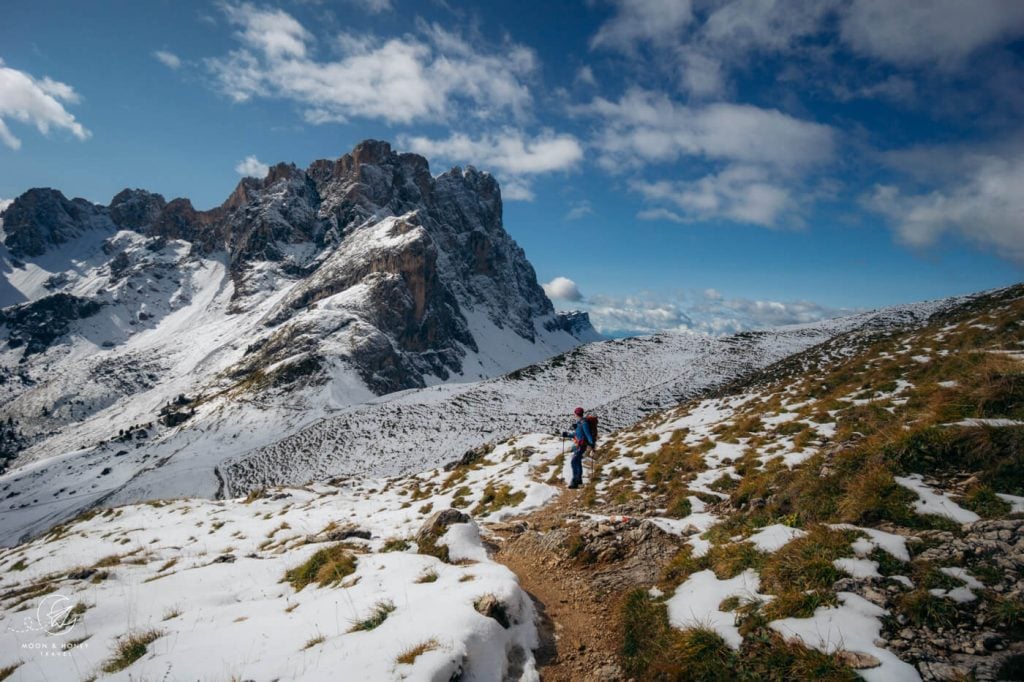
(579, 627)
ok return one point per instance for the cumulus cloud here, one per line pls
(251, 167)
(741, 27)
(984, 205)
(562, 289)
(743, 194)
(513, 154)
(4, 203)
(38, 102)
(701, 42)
(939, 32)
(707, 312)
(657, 21)
(510, 150)
(641, 314)
(418, 77)
(168, 59)
(645, 126)
(516, 189)
(758, 157)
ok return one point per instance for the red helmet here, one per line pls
(578, 411)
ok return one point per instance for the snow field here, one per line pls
(208, 576)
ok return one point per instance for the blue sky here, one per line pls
(665, 164)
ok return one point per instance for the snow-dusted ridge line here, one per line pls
(623, 380)
(231, 448)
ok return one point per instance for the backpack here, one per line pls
(592, 425)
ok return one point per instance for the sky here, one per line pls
(708, 165)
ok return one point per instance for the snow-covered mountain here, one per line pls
(229, 447)
(304, 292)
(353, 318)
(851, 511)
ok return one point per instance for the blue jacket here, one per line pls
(583, 435)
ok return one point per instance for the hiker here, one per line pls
(583, 440)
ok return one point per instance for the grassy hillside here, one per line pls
(851, 451)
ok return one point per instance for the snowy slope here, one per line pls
(207, 577)
(621, 380)
(232, 446)
(146, 334)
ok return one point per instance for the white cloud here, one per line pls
(509, 151)
(984, 205)
(700, 74)
(514, 155)
(658, 21)
(168, 59)
(579, 210)
(743, 194)
(698, 43)
(636, 315)
(516, 189)
(251, 167)
(4, 203)
(274, 33)
(758, 157)
(562, 289)
(706, 311)
(37, 102)
(938, 32)
(744, 26)
(422, 77)
(645, 126)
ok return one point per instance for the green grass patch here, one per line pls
(129, 649)
(807, 561)
(379, 614)
(395, 545)
(494, 498)
(924, 608)
(326, 567)
(983, 500)
(652, 650)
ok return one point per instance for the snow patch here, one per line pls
(931, 502)
(695, 603)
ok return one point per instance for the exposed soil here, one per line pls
(578, 623)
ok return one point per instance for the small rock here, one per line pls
(224, 559)
(437, 524)
(489, 606)
(858, 660)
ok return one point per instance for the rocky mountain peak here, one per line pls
(379, 264)
(136, 209)
(44, 217)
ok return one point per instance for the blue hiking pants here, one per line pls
(577, 466)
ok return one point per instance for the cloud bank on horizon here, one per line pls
(706, 311)
(702, 115)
